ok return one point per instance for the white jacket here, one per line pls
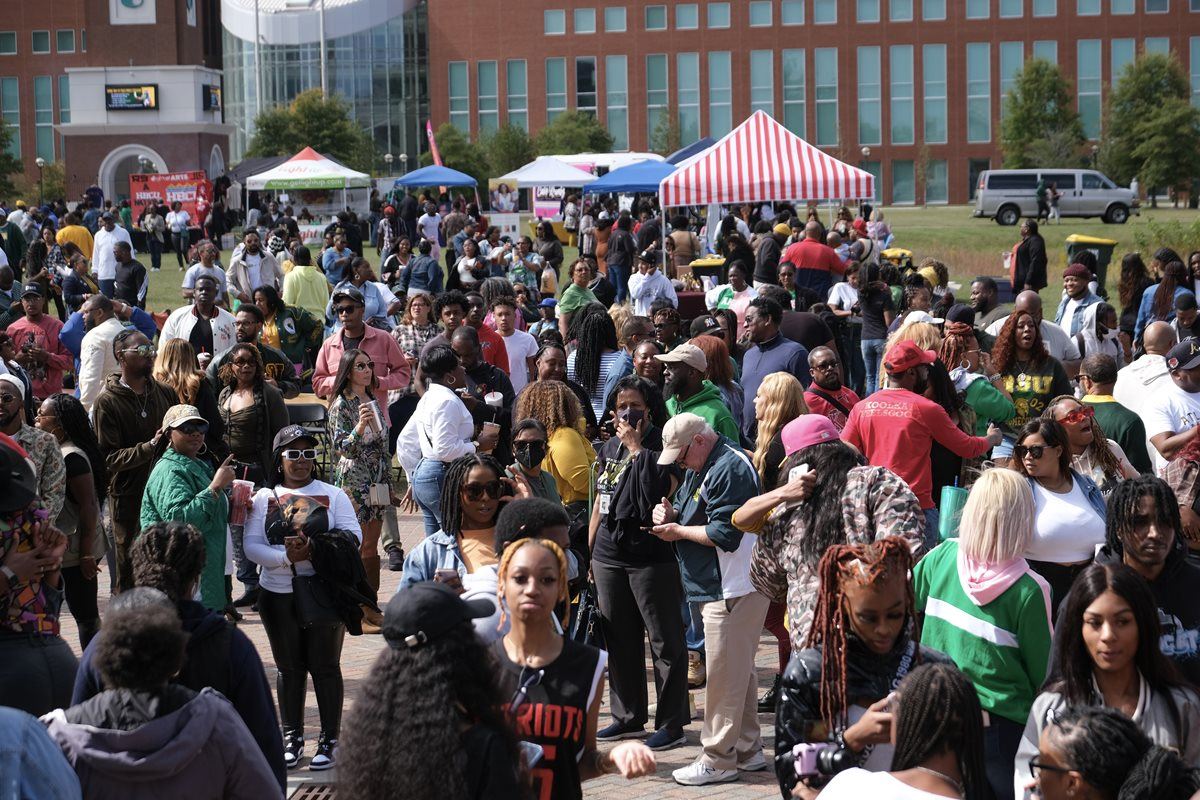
(96, 360)
(183, 319)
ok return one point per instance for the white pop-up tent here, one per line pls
(308, 169)
(548, 171)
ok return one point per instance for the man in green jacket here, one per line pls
(14, 242)
(687, 390)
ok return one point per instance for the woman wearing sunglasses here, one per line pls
(1106, 649)
(1092, 454)
(472, 490)
(184, 488)
(297, 507)
(1070, 510)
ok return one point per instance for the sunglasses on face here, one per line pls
(1035, 450)
(309, 454)
(346, 309)
(1078, 415)
(143, 350)
(475, 491)
(243, 362)
(824, 367)
(190, 428)
(363, 366)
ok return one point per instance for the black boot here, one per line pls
(395, 557)
(766, 703)
(247, 599)
(293, 747)
(326, 753)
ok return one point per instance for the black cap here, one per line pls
(425, 611)
(1184, 355)
(289, 434)
(703, 325)
(649, 255)
(107, 215)
(1185, 301)
(350, 293)
(18, 484)
(961, 312)
(31, 288)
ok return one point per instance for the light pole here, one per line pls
(387, 161)
(866, 155)
(404, 163)
(1095, 154)
(41, 165)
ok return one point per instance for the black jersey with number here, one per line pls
(553, 711)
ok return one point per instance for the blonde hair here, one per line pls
(784, 402)
(564, 595)
(177, 367)
(998, 518)
(551, 403)
(925, 334)
(620, 313)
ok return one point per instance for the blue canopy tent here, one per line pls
(435, 176)
(681, 155)
(644, 176)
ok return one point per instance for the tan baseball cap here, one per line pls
(689, 354)
(679, 432)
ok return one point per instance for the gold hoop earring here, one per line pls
(451, 380)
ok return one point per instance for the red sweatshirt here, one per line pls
(896, 429)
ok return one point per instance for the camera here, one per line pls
(821, 758)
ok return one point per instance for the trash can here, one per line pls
(1101, 248)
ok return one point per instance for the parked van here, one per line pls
(1007, 195)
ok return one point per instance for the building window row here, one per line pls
(39, 42)
(43, 112)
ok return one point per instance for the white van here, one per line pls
(1007, 195)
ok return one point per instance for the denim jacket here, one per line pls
(437, 551)
(1072, 326)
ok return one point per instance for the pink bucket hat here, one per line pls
(807, 430)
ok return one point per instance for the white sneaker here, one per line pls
(755, 763)
(700, 774)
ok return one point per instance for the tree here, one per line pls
(666, 137)
(460, 153)
(316, 121)
(1151, 131)
(573, 132)
(52, 186)
(1041, 108)
(508, 149)
(9, 164)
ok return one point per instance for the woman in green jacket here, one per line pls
(974, 377)
(291, 329)
(183, 488)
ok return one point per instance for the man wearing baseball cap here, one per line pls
(648, 284)
(36, 338)
(1172, 411)
(391, 367)
(1077, 296)
(714, 563)
(897, 426)
(688, 391)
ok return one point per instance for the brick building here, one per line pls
(60, 61)
(911, 90)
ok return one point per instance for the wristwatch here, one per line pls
(9, 575)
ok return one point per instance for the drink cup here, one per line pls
(239, 496)
(494, 399)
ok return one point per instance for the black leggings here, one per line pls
(81, 599)
(301, 652)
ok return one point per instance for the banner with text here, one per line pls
(190, 188)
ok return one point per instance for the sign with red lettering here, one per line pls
(190, 188)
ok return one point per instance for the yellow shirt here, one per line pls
(307, 288)
(569, 458)
(77, 235)
(270, 333)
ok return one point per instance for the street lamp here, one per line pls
(866, 153)
(1095, 154)
(41, 165)
(387, 160)
(404, 163)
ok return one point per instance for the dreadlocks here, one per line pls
(595, 335)
(168, 556)
(564, 596)
(1123, 509)
(865, 565)
(1098, 450)
(939, 712)
(456, 476)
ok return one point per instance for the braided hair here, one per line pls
(168, 556)
(866, 565)
(940, 712)
(595, 335)
(77, 429)
(564, 596)
(1099, 450)
(1123, 509)
(456, 476)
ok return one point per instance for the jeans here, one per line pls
(31, 763)
(931, 529)
(247, 570)
(37, 672)
(179, 243)
(620, 280)
(300, 652)
(156, 249)
(1001, 739)
(872, 356)
(850, 345)
(693, 631)
(80, 595)
(108, 287)
(427, 480)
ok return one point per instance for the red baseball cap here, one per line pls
(903, 356)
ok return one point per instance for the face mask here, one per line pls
(529, 454)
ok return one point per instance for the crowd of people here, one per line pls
(970, 531)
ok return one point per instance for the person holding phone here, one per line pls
(277, 537)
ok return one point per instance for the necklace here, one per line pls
(956, 785)
(146, 404)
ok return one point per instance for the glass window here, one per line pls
(900, 69)
(1194, 46)
(826, 86)
(762, 81)
(43, 116)
(1045, 8)
(1158, 45)
(794, 90)
(904, 183)
(933, 9)
(556, 88)
(614, 19)
(554, 22)
(1012, 56)
(585, 20)
(1087, 8)
(460, 96)
(10, 111)
(687, 17)
(658, 93)
(687, 78)
(868, 11)
(1046, 50)
(760, 13)
(1087, 85)
(825, 12)
(870, 97)
(517, 84)
(585, 84)
(64, 41)
(933, 65)
(720, 94)
(1158, 6)
(900, 10)
(656, 18)
(791, 12)
(41, 42)
(64, 98)
(1120, 7)
(718, 15)
(1012, 8)
(487, 81)
(978, 9)
(8, 43)
(979, 92)
(616, 100)
(82, 40)
(1124, 51)
(937, 182)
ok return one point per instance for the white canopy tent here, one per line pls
(548, 171)
(308, 169)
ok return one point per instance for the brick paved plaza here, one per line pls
(360, 651)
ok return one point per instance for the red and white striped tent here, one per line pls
(762, 161)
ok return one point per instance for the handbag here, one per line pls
(313, 601)
(586, 628)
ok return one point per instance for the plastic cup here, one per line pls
(494, 399)
(239, 496)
